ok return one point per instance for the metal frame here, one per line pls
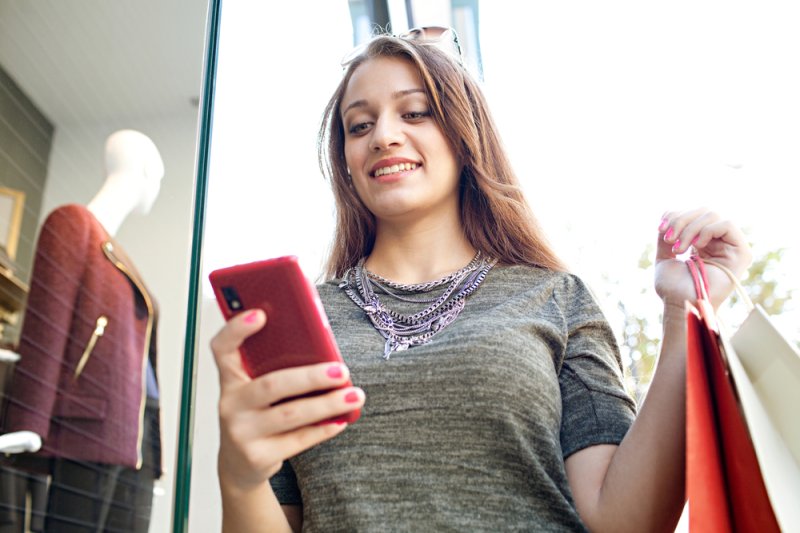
(183, 470)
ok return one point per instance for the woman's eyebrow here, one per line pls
(406, 92)
(395, 95)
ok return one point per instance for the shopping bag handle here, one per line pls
(698, 271)
(696, 263)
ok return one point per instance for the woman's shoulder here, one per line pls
(565, 286)
(528, 274)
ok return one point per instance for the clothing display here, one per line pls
(86, 380)
(87, 337)
(469, 431)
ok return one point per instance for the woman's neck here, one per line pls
(420, 252)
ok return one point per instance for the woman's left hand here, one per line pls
(712, 238)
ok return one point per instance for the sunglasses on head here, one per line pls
(443, 38)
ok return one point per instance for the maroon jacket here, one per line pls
(88, 330)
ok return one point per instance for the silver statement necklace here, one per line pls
(404, 331)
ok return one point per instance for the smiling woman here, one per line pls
(502, 375)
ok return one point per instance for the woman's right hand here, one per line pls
(256, 435)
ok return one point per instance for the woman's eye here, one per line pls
(360, 127)
(416, 115)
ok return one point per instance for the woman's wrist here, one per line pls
(674, 308)
(232, 484)
(673, 317)
(250, 507)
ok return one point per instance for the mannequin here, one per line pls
(134, 171)
(86, 381)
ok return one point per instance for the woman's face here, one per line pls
(402, 166)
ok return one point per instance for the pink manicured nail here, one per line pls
(352, 397)
(669, 233)
(663, 225)
(334, 372)
(676, 245)
(332, 422)
(694, 241)
(251, 317)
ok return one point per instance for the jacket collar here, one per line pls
(117, 256)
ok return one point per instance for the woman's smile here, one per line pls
(392, 170)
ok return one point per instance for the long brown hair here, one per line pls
(495, 216)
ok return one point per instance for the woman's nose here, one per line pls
(385, 134)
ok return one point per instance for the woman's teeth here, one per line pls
(395, 168)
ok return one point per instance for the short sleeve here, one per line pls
(284, 485)
(596, 409)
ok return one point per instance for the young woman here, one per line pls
(489, 380)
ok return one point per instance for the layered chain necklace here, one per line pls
(404, 331)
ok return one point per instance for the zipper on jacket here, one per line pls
(99, 329)
(108, 249)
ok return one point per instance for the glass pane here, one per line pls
(628, 112)
(98, 130)
(622, 120)
(266, 196)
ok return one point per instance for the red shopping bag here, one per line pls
(723, 480)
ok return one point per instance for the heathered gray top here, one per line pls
(470, 431)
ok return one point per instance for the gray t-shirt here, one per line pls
(470, 431)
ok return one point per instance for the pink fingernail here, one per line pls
(694, 241)
(332, 422)
(334, 372)
(251, 317)
(663, 225)
(676, 246)
(352, 397)
(669, 233)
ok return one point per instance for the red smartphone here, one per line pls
(297, 332)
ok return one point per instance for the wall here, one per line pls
(25, 139)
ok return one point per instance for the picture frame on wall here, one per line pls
(12, 202)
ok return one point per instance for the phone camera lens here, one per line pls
(232, 297)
